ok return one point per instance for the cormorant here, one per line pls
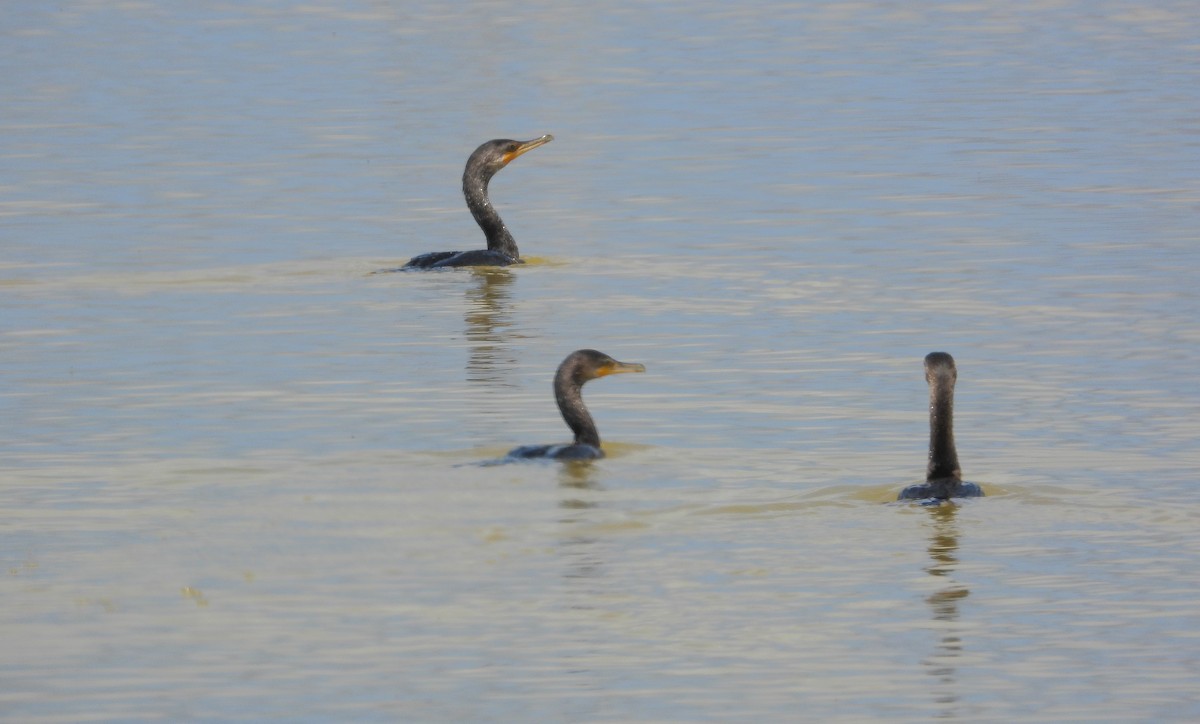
(501, 249)
(943, 477)
(579, 367)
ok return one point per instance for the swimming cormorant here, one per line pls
(501, 249)
(579, 367)
(943, 477)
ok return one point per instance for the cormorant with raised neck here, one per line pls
(943, 477)
(579, 367)
(501, 249)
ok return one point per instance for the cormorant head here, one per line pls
(588, 364)
(491, 156)
(940, 366)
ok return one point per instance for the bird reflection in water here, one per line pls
(488, 327)
(578, 544)
(584, 594)
(943, 605)
(578, 475)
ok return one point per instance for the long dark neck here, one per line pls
(570, 403)
(943, 458)
(475, 188)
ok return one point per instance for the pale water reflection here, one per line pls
(487, 324)
(943, 607)
(240, 472)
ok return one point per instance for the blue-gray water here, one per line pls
(237, 473)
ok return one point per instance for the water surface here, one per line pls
(239, 471)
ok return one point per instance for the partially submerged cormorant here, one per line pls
(943, 477)
(501, 249)
(579, 367)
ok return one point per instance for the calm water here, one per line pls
(238, 471)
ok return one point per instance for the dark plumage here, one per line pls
(501, 247)
(943, 477)
(579, 367)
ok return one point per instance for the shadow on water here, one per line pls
(488, 326)
(943, 606)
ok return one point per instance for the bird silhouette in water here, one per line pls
(501, 249)
(578, 368)
(943, 477)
